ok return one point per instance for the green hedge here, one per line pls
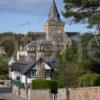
(45, 84)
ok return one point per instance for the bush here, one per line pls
(89, 79)
(45, 84)
(40, 84)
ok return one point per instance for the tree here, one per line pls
(8, 43)
(3, 67)
(90, 79)
(71, 71)
(95, 20)
(81, 10)
(68, 68)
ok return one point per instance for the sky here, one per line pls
(21, 16)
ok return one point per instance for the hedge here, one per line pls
(45, 84)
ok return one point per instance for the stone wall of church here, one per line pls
(52, 28)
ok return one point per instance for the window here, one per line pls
(32, 74)
(18, 78)
(47, 73)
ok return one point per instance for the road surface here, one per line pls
(5, 94)
(10, 96)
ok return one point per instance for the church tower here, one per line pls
(54, 25)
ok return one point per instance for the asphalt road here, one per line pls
(10, 96)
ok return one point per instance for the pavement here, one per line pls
(5, 94)
(10, 96)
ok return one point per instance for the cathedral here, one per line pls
(36, 59)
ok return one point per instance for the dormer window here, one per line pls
(18, 78)
(32, 74)
(47, 73)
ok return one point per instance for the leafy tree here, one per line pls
(8, 44)
(68, 75)
(3, 67)
(95, 20)
(90, 79)
(71, 69)
(82, 10)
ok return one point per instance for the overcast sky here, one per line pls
(30, 15)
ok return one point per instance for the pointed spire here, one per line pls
(53, 14)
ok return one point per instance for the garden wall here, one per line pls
(89, 93)
(92, 93)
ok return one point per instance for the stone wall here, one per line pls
(5, 82)
(15, 90)
(23, 93)
(62, 94)
(40, 94)
(19, 91)
(92, 93)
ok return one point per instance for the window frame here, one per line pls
(31, 75)
(48, 75)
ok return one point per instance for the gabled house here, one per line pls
(26, 72)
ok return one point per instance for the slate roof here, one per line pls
(24, 67)
(38, 42)
(71, 34)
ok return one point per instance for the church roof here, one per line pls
(53, 14)
(38, 42)
(71, 34)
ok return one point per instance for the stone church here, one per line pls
(36, 59)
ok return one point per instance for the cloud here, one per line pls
(26, 23)
(24, 6)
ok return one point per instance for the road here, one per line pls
(9, 96)
(5, 94)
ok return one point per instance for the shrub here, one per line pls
(45, 84)
(89, 79)
(40, 84)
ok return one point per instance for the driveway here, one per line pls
(10, 96)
